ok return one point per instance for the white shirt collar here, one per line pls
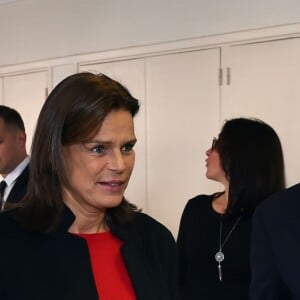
(14, 174)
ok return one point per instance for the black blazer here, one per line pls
(275, 258)
(57, 266)
(20, 187)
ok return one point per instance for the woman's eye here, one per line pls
(127, 148)
(98, 149)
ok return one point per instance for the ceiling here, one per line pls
(7, 1)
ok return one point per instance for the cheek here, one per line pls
(216, 159)
(218, 162)
(2, 152)
(74, 170)
(5, 149)
(91, 166)
(7, 153)
(130, 161)
(219, 166)
(215, 164)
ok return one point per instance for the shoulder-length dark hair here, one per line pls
(73, 112)
(252, 159)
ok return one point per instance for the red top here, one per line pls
(110, 273)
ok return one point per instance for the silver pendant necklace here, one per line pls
(219, 256)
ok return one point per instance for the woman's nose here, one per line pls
(116, 163)
(208, 152)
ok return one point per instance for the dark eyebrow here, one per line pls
(97, 142)
(133, 141)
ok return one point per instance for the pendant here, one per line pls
(220, 272)
(219, 257)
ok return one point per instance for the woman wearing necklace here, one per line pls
(214, 234)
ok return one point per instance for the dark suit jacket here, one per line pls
(57, 266)
(275, 255)
(20, 187)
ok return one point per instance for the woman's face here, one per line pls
(214, 170)
(98, 171)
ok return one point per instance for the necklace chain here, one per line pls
(219, 256)
(221, 245)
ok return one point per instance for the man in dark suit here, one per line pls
(13, 156)
(275, 254)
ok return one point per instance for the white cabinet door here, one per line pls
(182, 117)
(26, 93)
(265, 83)
(130, 73)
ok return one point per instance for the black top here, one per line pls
(198, 242)
(57, 266)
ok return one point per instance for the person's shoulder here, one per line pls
(144, 228)
(293, 191)
(199, 202)
(286, 201)
(281, 198)
(146, 222)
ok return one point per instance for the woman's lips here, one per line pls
(113, 185)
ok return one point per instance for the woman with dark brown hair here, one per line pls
(215, 230)
(75, 236)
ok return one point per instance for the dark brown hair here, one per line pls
(73, 112)
(252, 159)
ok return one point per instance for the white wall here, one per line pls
(32, 30)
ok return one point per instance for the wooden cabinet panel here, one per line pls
(26, 93)
(182, 118)
(265, 83)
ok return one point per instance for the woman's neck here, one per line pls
(87, 218)
(90, 225)
(220, 202)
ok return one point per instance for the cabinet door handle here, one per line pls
(228, 75)
(220, 76)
